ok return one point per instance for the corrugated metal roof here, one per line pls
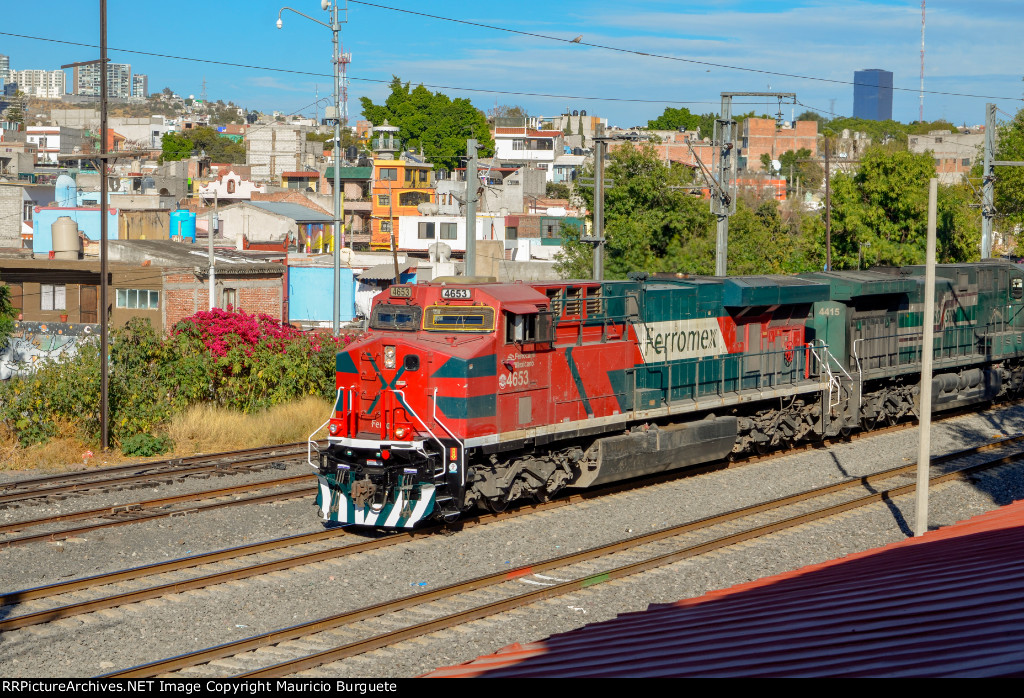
(946, 604)
(296, 212)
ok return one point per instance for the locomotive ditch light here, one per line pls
(390, 352)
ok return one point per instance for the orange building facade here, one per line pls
(399, 186)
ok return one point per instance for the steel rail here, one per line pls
(294, 632)
(154, 471)
(452, 620)
(113, 601)
(70, 610)
(139, 515)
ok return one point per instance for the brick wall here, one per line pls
(186, 294)
(760, 136)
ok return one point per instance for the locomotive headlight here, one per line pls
(389, 356)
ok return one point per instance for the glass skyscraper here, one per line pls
(872, 94)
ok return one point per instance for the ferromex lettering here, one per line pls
(673, 340)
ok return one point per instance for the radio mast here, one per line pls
(920, 116)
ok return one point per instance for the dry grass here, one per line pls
(206, 429)
(62, 453)
(201, 429)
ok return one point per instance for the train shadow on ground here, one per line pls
(1005, 487)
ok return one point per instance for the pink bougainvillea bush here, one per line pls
(230, 358)
(251, 362)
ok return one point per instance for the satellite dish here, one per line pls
(776, 166)
(440, 252)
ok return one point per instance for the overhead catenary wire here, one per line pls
(293, 71)
(578, 42)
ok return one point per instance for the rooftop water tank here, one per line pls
(66, 243)
(183, 225)
(65, 192)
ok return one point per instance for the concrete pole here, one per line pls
(828, 208)
(210, 230)
(471, 188)
(927, 350)
(599, 148)
(988, 200)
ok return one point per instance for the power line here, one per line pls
(578, 41)
(229, 64)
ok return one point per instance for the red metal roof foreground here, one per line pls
(950, 603)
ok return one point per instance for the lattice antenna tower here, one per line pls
(344, 59)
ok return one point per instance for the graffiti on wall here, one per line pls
(34, 343)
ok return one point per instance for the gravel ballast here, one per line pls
(108, 640)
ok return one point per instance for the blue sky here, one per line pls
(971, 48)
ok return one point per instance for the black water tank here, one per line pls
(583, 112)
(577, 151)
(575, 113)
(352, 152)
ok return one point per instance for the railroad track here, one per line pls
(138, 474)
(355, 632)
(46, 603)
(163, 507)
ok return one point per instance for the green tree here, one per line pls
(798, 163)
(432, 121)
(651, 223)
(16, 110)
(179, 146)
(175, 146)
(7, 314)
(557, 190)
(1009, 184)
(882, 213)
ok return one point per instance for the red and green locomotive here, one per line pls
(476, 394)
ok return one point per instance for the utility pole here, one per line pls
(988, 188)
(599, 149)
(828, 208)
(394, 240)
(211, 228)
(471, 192)
(723, 199)
(924, 423)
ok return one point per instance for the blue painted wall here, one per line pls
(310, 298)
(88, 220)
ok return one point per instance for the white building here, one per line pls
(230, 187)
(140, 85)
(148, 131)
(44, 84)
(524, 146)
(52, 141)
(119, 80)
(418, 233)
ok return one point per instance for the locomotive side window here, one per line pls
(459, 318)
(532, 328)
(396, 317)
(1016, 288)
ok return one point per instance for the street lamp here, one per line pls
(339, 234)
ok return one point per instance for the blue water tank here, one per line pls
(65, 192)
(183, 223)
